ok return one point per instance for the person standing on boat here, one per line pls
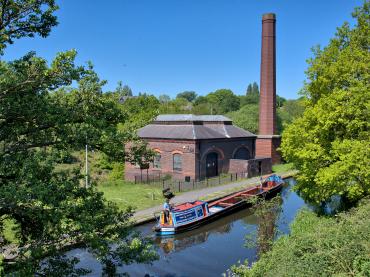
(166, 210)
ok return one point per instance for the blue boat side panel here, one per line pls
(187, 216)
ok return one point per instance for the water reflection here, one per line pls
(213, 248)
(184, 240)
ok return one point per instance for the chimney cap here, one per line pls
(268, 16)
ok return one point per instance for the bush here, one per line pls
(319, 246)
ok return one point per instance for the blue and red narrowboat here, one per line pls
(191, 215)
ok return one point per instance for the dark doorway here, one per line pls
(242, 154)
(211, 165)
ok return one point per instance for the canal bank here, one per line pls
(213, 248)
(210, 193)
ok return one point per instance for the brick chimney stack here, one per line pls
(268, 141)
(267, 114)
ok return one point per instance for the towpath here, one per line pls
(205, 194)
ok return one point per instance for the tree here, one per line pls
(255, 89)
(140, 154)
(25, 18)
(252, 95)
(140, 111)
(246, 118)
(188, 95)
(123, 90)
(223, 101)
(280, 101)
(249, 89)
(41, 116)
(164, 98)
(176, 106)
(329, 144)
(318, 246)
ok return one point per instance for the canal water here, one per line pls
(212, 249)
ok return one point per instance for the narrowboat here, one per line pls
(191, 215)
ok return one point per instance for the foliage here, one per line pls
(140, 154)
(123, 90)
(139, 111)
(188, 95)
(117, 171)
(223, 101)
(25, 18)
(267, 213)
(288, 112)
(319, 246)
(41, 115)
(164, 98)
(176, 106)
(252, 95)
(330, 144)
(246, 117)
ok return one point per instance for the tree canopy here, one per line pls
(188, 95)
(41, 116)
(223, 101)
(330, 143)
(318, 246)
(25, 18)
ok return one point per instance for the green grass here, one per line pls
(124, 194)
(278, 168)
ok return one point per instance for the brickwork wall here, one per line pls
(252, 167)
(167, 148)
(225, 150)
(194, 155)
(267, 147)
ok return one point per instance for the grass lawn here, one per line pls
(278, 168)
(124, 194)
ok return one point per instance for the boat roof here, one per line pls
(187, 205)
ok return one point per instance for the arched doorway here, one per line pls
(242, 154)
(211, 165)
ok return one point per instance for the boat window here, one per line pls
(177, 162)
(157, 161)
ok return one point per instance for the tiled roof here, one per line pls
(192, 127)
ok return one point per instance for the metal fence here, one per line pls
(181, 186)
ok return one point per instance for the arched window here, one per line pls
(177, 162)
(157, 161)
(242, 154)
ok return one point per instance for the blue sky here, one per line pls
(166, 47)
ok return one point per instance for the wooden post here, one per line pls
(231, 177)
(236, 176)
(193, 183)
(163, 184)
(179, 186)
(207, 181)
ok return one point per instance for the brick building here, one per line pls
(193, 147)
